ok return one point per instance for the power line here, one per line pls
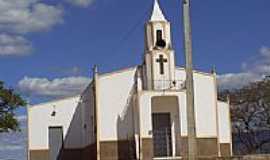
(134, 27)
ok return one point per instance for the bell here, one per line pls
(161, 43)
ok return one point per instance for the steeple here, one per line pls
(157, 14)
(159, 63)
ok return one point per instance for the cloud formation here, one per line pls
(253, 70)
(19, 17)
(14, 45)
(23, 16)
(237, 80)
(56, 88)
(80, 3)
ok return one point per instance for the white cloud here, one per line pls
(19, 17)
(261, 64)
(14, 45)
(24, 16)
(80, 3)
(236, 80)
(252, 70)
(60, 87)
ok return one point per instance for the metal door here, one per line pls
(55, 142)
(162, 134)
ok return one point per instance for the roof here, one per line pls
(157, 14)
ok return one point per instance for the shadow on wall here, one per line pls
(72, 138)
(125, 130)
(73, 147)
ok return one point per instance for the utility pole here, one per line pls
(97, 131)
(191, 124)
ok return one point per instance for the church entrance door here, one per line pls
(162, 136)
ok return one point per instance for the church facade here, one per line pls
(135, 113)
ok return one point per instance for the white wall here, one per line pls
(145, 114)
(224, 122)
(75, 115)
(205, 102)
(145, 109)
(114, 102)
(40, 119)
(88, 116)
(205, 105)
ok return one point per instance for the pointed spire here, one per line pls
(157, 14)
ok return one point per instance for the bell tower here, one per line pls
(159, 62)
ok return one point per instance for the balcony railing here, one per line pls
(169, 84)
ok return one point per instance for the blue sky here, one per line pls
(111, 33)
(48, 47)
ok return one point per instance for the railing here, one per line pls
(169, 84)
(162, 142)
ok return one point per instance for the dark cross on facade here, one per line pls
(161, 60)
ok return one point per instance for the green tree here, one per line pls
(9, 102)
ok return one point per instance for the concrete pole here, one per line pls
(95, 79)
(192, 144)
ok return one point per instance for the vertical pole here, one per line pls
(95, 80)
(192, 144)
(28, 136)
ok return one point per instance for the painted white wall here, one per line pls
(224, 122)
(116, 111)
(146, 110)
(205, 105)
(75, 115)
(157, 77)
(88, 112)
(40, 119)
(183, 113)
(145, 114)
(205, 102)
(114, 101)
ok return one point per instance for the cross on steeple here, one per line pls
(161, 60)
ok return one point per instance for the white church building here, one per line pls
(134, 113)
